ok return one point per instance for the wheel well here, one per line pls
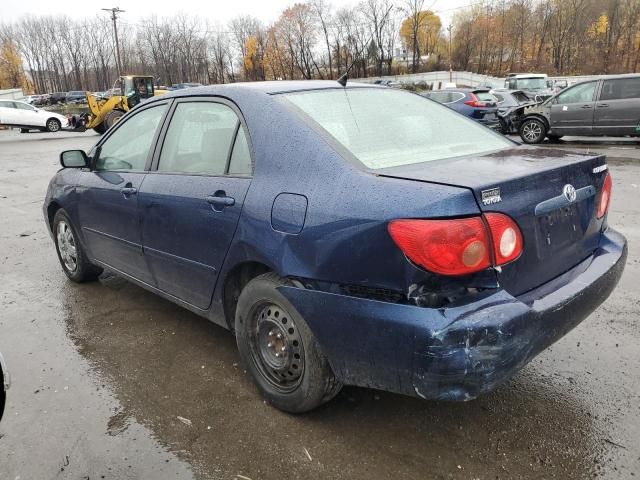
(51, 212)
(234, 282)
(54, 118)
(542, 118)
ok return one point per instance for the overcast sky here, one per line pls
(221, 11)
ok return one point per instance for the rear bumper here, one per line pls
(461, 351)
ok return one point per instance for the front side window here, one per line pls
(24, 106)
(128, 147)
(199, 139)
(387, 128)
(620, 89)
(579, 94)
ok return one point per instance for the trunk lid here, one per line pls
(528, 185)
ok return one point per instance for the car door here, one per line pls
(28, 115)
(8, 112)
(108, 193)
(618, 107)
(192, 199)
(572, 111)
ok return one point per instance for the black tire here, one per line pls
(67, 244)
(302, 379)
(24, 130)
(554, 138)
(53, 125)
(100, 128)
(532, 130)
(112, 118)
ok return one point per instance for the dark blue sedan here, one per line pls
(361, 235)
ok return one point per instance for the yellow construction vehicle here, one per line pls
(105, 112)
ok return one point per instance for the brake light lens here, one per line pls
(605, 196)
(474, 102)
(458, 246)
(506, 238)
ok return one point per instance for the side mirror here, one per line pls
(74, 159)
(4, 384)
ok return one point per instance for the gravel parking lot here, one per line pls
(110, 381)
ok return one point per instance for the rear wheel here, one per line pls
(112, 118)
(53, 125)
(72, 257)
(279, 350)
(533, 130)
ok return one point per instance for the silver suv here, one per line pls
(609, 106)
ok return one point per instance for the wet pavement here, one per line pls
(110, 381)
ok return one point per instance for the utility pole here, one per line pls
(114, 15)
(450, 63)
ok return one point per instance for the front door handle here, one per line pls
(586, 106)
(219, 200)
(603, 105)
(126, 191)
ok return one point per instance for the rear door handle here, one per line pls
(603, 105)
(129, 191)
(586, 106)
(219, 200)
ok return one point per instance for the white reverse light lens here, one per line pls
(507, 242)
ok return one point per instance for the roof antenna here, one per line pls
(342, 79)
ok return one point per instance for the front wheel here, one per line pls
(112, 118)
(53, 125)
(279, 350)
(532, 130)
(72, 256)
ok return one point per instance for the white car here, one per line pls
(14, 113)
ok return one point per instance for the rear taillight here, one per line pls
(458, 246)
(506, 238)
(605, 197)
(474, 102)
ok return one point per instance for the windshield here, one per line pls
(531, 83)
(387, 128)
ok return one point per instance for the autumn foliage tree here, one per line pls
(11, 70)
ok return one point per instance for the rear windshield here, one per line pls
(387, 128)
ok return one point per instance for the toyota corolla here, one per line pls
(354, 235)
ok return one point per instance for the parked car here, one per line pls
(32, 99)
(608, 106)
(512, 105)
(181, 86)
(360, 235)
(477, 104)
(76, 96)
(57, 97)
(5, 382)
(14, 113)
(537, 86)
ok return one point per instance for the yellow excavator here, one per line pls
(105, 112)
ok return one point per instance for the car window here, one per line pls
(440, 97)
(198, 139)
(499, 97)
(620, 89)
(578, 94)
(387, 127)
(128, 147)
(240, 163)
(521, 97)
(8, 105)
(485, 97)
(24, 106)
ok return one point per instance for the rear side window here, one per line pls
(7, 105)
(128, 147)
(24, 106)
(387, 127)
(578, 94)
(240, 163)
(199, 139)
(620, 89)
(440, 97)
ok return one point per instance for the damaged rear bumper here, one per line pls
(460, 351)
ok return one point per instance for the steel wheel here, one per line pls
(53, 125)
(276, 347)
(67, 246)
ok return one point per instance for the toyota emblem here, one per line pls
(569, 192)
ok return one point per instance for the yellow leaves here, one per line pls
(599, 27)
(428, 26)
(251, 55)
(11, 72)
